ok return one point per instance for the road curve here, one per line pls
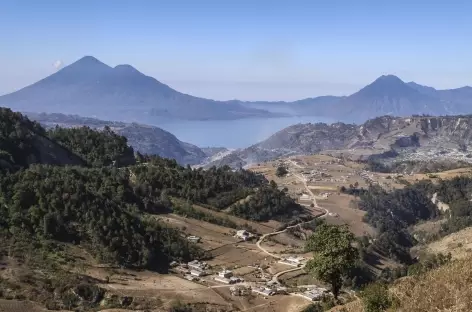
(275, 278)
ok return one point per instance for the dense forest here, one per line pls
(268, 203)
(218, 188)
(96, 208)
(98, 148)
(457, 193)
(106, 202)
(17, 135)
(392, 213)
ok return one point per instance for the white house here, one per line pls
(264, 291)
(293, 261)
(194, 239)
(223, 280)
(225, 273)
(197, 273)
(197, 265)
(244, 235)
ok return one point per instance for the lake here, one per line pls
(231, 133)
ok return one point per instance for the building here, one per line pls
(197, 273)
(182, 270)
(305, 197)
(191, 277)
(234, 280)
(314, 294)
(293, 261)
(193, 239)
(197, 265)
(223, 280)
(244, 235)
(225, 273)
(240, 291)
(264, 291)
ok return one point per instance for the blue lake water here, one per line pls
(231, 133)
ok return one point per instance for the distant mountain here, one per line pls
(89, 87)
(143, 138)
(387, 95)
(418, 137)
(459, 97)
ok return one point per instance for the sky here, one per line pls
(244, 49)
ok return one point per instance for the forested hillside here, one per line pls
(98, 148)
(96, 208)
(24, 142)
(392, 213)
(103, 208)
(218, 188)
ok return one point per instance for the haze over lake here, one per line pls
(231, 133)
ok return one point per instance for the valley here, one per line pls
(230, 240)
(235, 156)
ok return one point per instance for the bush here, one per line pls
(281, 171)
(375, 298)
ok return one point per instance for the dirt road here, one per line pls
(275, 278)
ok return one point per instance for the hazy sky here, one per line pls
(246, 49)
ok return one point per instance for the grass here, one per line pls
(446, 289)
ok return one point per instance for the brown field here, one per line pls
(260, 227)
(19, 306)
(298, 278)
(287, 240)
(240, 255)
(344, 206)
(339, 174)
(212, 235)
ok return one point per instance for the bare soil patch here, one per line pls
(344, 208)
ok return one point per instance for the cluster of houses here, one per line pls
(271, 288)
(192, 270)
(195, 269)
(240, 290)
(226, 277)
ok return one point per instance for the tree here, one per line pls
(281, 171)
(333, 254)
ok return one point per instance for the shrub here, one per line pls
(375, 298)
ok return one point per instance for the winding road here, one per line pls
(275, 278)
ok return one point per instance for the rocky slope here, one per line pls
(143, 138)
(417, 137)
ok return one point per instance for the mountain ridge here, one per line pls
(145, 139)
(89, 87)
(385, 137)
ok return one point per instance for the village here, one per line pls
(262, 284)
(263, 263)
